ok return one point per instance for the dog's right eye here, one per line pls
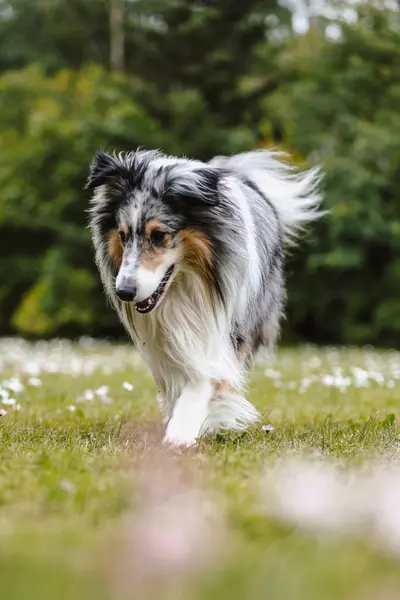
(158, 236)
(122, 237)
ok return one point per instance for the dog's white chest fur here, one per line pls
(185, 339)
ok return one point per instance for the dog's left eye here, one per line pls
(157, 236)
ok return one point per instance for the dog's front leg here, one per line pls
(162, 401)
(190, 414)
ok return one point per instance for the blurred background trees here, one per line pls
(200, 78)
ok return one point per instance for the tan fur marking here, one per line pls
(223, 386)
(152, 259)
(152, 256)
(151, 226)
(125, 229)
(244, 354)
(115, 248)
(198, 251)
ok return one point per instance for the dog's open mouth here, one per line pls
(151, 302)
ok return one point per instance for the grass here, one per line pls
(84, 481)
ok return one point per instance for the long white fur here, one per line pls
(294, 195)
(186, 340)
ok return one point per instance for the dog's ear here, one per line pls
(200, 184)
(103, 168)
(208, 184)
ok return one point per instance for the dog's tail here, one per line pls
(295, 195)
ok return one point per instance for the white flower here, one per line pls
(272, 374)
(127, 386)
(322, 497)
(14, 385)
(361, 377)
(268, 427)
(337, 381)
(9, 401)
(102, 391)
(107, 400)
(67, 486)
(378, 377)
(32, 368)
(2, 412)
(4, 393)
(34, 381)
(71, 408)
(87, 396)
(306, 495)
(314, 362)
(328, 380)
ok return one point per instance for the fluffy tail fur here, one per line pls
(294, 194)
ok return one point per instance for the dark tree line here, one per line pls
(198, 78)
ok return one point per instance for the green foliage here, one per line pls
(200, 78)
(344, 111)
(51, 126)
(173, 44)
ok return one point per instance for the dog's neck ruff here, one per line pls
(186, 338)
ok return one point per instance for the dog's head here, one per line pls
(152, 216)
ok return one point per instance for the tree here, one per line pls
(51, 127)
(217, 49)
(343, 111)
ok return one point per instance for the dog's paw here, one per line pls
(178, 436)
(179, 441)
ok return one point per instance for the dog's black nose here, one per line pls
(126, 291)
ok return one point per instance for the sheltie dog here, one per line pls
(191, 255)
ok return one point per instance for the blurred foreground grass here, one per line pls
(77, 443)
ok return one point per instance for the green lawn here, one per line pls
(92, 505)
